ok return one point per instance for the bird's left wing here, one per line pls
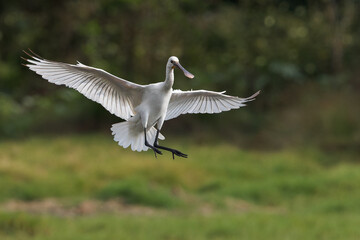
(202, 101)
(118, 96)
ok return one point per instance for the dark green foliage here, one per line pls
(282, 47)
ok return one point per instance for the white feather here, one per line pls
(94, 83)
(203, 101)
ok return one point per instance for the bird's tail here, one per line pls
(131, 134)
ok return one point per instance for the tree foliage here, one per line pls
(239, 46)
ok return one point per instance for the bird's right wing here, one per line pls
(118, 96)
(202, 101)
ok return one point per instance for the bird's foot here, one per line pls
(154, 148)
(178, 153)
(156, 151)
(173, 151)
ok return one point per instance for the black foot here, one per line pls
(156, 151)
(153, 148)
(178, 153)
(173, 151)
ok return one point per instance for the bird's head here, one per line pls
(174, 62)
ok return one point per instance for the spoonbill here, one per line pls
(144, 107)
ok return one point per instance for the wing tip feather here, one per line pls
(33, 58)
(252, 97)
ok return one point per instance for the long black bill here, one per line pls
(186, 72)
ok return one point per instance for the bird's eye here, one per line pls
(171, 61)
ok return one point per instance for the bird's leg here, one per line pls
(173, 151)
(152, 147)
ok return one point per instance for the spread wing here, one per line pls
(118, 96)
(202, 101)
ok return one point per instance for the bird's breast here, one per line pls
(157, 101)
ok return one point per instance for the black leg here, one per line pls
(152, 147)
(173, 151)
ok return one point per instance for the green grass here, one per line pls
(137, 191)
(219, 192)
(220, 226)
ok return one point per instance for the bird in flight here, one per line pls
(144, 107)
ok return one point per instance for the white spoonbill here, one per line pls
(144, 107)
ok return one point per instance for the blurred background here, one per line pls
(291, 156)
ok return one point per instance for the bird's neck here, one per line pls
(169, 80)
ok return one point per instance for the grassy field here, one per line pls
(86, 187)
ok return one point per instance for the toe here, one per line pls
(180, 154)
